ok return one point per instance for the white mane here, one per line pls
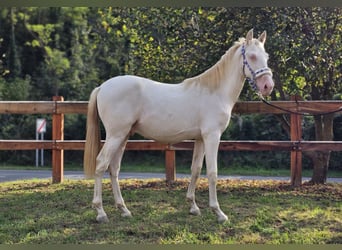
(212, 76)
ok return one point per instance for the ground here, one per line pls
(259, 212)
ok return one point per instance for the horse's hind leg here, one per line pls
(101, 167)
(103, 160)
(114, 169)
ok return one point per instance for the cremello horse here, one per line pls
(198, 108)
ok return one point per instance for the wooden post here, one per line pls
(170, 165)
(296, 153)
(57, 134)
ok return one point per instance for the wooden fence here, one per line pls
(58, 108)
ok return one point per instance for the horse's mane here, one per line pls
(212, 76)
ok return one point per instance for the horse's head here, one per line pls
(255, 66)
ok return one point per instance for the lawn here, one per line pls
(259, 212)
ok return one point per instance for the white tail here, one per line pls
(93, 137)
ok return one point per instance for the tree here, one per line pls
(14, 62)
(47, 39)
(310, 65)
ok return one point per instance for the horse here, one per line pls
(198, 108)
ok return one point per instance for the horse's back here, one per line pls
(119, 85)
(133, 89)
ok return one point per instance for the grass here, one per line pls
(259, 212)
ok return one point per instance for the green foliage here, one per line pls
(310, 53)
(16, 89)
(68, 51)
(170, 44)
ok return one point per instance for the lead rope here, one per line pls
(295, 112)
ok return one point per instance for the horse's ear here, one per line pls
(249, 36)
(262, 37)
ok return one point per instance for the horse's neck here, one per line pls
(231, 81)
(225, 78)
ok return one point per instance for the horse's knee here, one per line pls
(212, 177)
(114, 172)
(195, 167)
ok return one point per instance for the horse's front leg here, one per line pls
(196, 166)
(211, 144)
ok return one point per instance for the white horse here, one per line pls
(198, 108)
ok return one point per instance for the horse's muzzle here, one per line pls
(265, 84)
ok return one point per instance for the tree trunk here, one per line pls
(320, 167)
(320, 159)
(14, 61)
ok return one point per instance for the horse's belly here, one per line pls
(167, 134)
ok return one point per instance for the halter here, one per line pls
(255, 74)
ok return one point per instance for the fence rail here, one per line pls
(58, 108)
(80, 107)
(151, 145)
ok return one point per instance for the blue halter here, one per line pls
(255, 74)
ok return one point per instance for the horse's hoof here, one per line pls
(195, 211)
(126, 214)
(222, 219)
(102, 219)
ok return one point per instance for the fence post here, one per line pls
(296, 153)
(57, 134)
(170, 164)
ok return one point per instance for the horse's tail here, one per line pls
(93, 136)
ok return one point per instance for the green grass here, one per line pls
(259, 212)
